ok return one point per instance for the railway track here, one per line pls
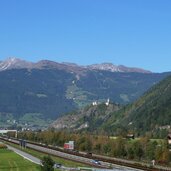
(86, 158)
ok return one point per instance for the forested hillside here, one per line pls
(149, 114)
(33, 96)
(89, 118)
(152, 112)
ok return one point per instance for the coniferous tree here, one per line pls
(47, 164)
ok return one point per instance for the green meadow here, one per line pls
(10, 161)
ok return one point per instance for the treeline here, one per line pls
(139, 149)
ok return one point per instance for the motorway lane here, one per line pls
(25, 155)
(81, 159)
(77, 158)
(61, 154)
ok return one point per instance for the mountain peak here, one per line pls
(116, 68)
(16, 63)
(12, 62)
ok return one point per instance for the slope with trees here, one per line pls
(149, 114)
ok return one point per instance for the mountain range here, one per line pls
(37, 93)
(16, 63)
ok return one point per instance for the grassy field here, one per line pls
(10, 161)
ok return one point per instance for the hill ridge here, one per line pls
(16, 63)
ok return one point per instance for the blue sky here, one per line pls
(134, 33)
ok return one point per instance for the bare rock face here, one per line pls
(115, 68)
(14, 63)
(82, 118)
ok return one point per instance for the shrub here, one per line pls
(3, 146)
(47, 164)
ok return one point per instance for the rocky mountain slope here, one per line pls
(16, 63)
(90, 117)
(115, 68)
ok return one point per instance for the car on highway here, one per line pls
(57, 165)
(96, 162)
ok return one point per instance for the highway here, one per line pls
(66, 156)
(103, 165)
(120, 164)
(38, 161)
(115, 163)
(78, 158)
